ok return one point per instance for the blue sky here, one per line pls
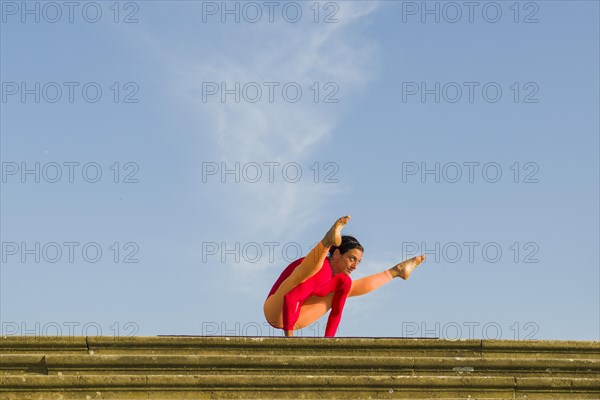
(468, 132)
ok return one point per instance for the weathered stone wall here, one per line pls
(307, 368)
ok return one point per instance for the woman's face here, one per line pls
(347, 262)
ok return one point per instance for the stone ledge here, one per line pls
(284, 382)
(101, 363)
(283, 368)
(79, 343)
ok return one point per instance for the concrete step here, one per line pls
(286, 364)
(233, 385)
(325, 386)
(378, 347)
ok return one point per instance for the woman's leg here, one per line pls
(313, 309)
(311, 264)
(372, 282)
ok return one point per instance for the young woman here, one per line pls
(312, 285)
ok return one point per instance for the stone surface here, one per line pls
(303, 368)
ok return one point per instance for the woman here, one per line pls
(312, 285)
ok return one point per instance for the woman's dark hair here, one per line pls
(348, 243)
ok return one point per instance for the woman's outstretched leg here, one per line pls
(310, 265)
(372, 282)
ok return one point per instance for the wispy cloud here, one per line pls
(282, 131)
(278, 131)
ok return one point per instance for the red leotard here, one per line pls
(320, 284)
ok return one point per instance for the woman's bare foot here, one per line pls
(333, 237)
(405, 268)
